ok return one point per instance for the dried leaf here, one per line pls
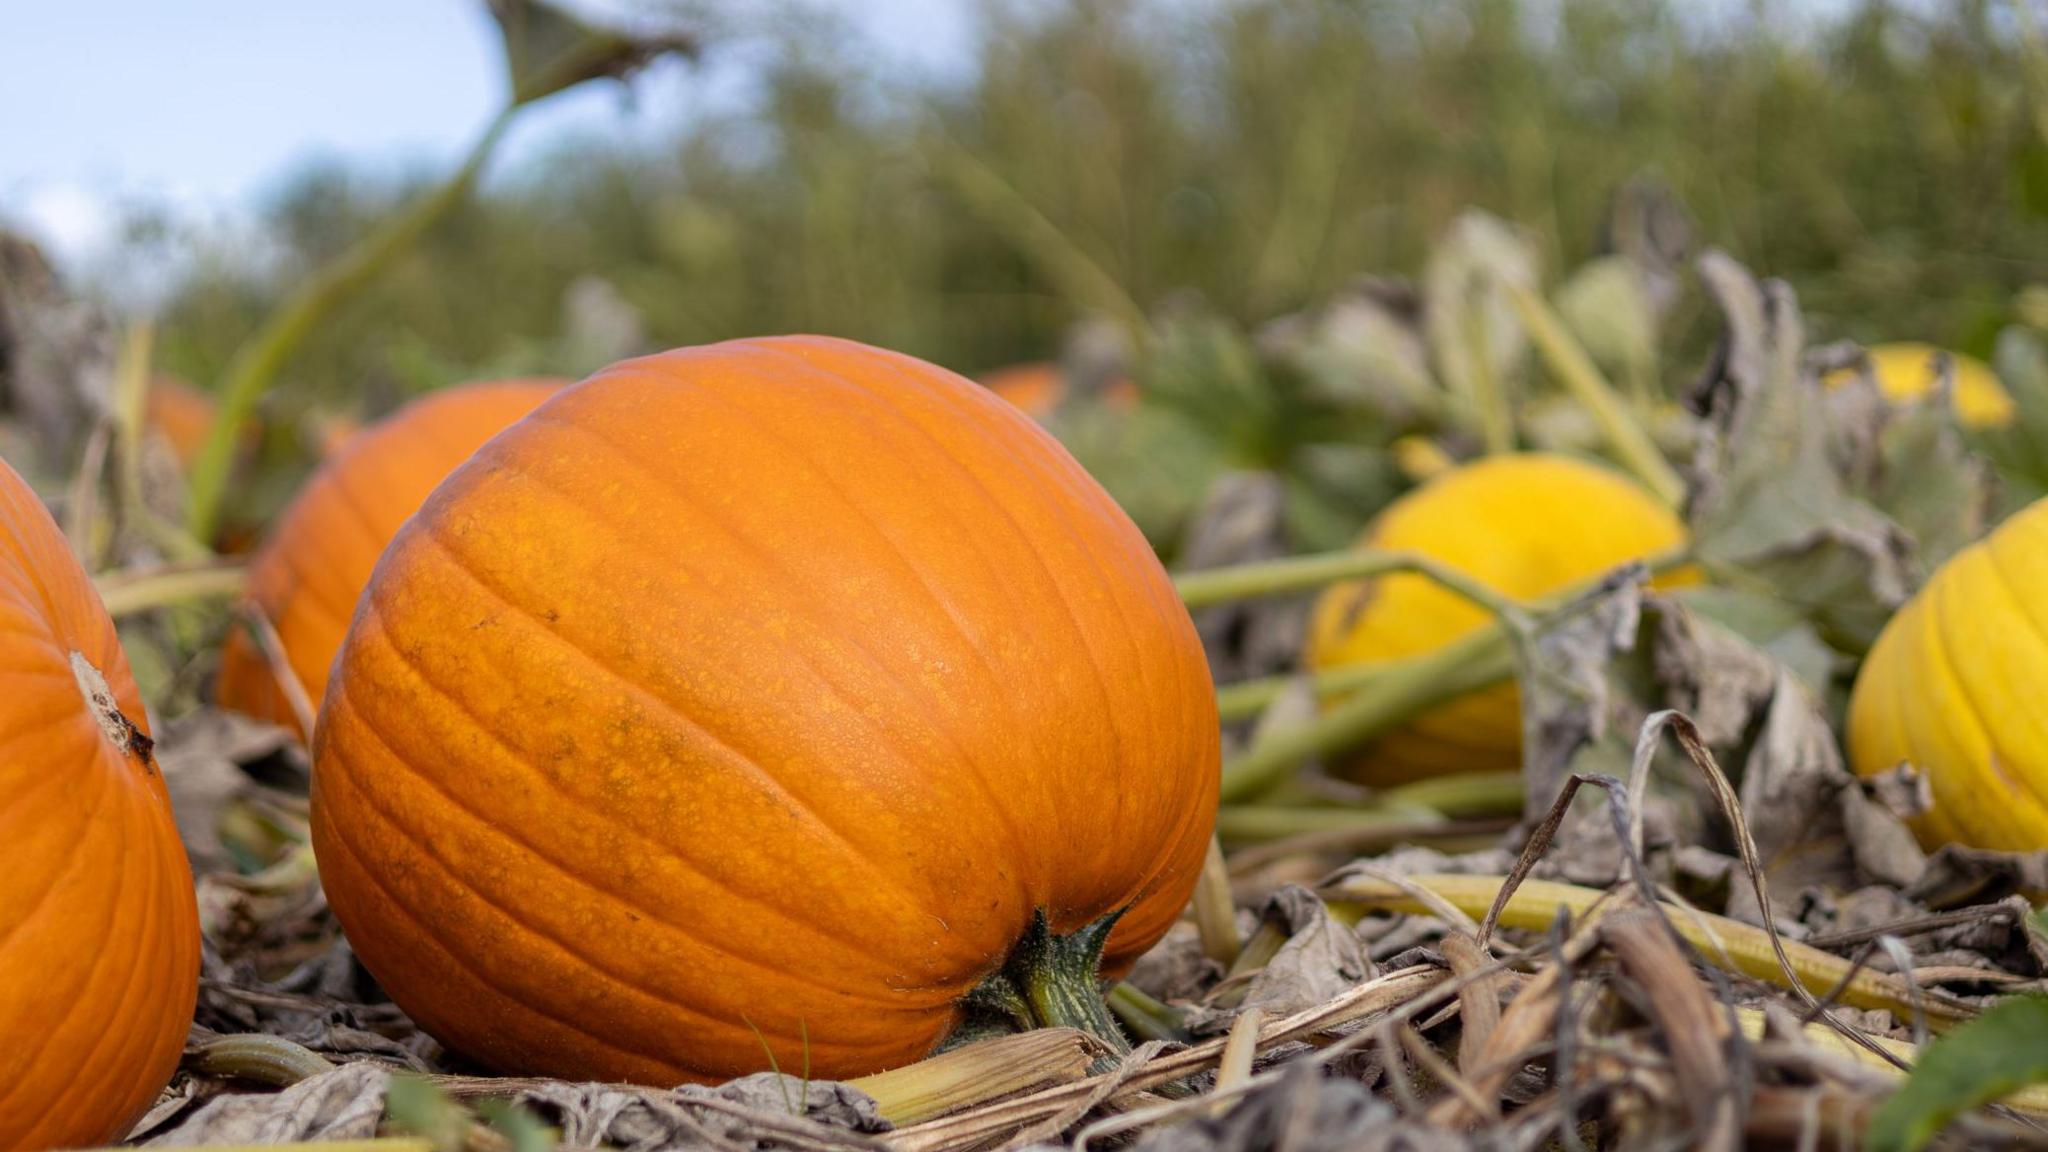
(1320, 959)
(202, 756)
(345, 1104)
(763, 1110)
(1568, 697)
(1304, 1111)
(1770, 498)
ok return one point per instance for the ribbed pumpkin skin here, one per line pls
(751, 698)
(307, 575)
(1906, 372)
(1953, 686)
(1526, 525)
(99, 930)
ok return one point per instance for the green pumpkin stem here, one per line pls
(1051, 981)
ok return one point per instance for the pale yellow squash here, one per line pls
(1906, 372)
(1953, 687)
(1526, 526)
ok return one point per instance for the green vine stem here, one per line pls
(126, 593)
(131, 420)
(1420, 805)
(1037, 239)
(1147, 1017)
(1478, 660)
(259, 360)
(258, 1057)
(1247, 698)
(1381, 696)
(1051, 981)
(1575, 370)
(1489, 394)
(1462, 794)
(1202, 589)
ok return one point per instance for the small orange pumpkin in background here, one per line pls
(307, 575)
(99, 929)
(1040, 387)
(182, 415)
(754, 702)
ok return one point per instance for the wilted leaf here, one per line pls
(1571, 704)
(1365, 348)
(1475, 339)
(548, 49)
(1320, 959)
(1607, 304)
(1770, 499)
(763, 1110)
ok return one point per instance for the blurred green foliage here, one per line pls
(1252, 157)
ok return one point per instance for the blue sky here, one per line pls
(202, 105)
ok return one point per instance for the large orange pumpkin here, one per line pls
(751, 702)
(99, 931)
(306, 577)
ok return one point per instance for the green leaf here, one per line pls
(520, 1127)
(414, 1105)
(1988, 1058)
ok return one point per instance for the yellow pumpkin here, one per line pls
(1906, 372)
(1525, 525)
(1953, 687)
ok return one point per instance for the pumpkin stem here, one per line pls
(1050, 981)
(119, 730)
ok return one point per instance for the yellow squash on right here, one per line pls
(1953, 687)
(1906, 371)
(1526, 525)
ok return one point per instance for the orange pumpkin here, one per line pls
(1039, 388)
(752, 701)
(306, 577)
(181, 414)
(99, 931)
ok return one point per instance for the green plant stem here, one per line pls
(1253, 823)
(1072, 272)
(1575, 370)
(1420, 805)
(1489, 395)
(1247, 698)
(1400, 693)
(1146, 1017)
(131, 416)
(258, 361)
(1297, 573)
(1051, 981)
(1461, 794)
(126, 593)
(260, 1057)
